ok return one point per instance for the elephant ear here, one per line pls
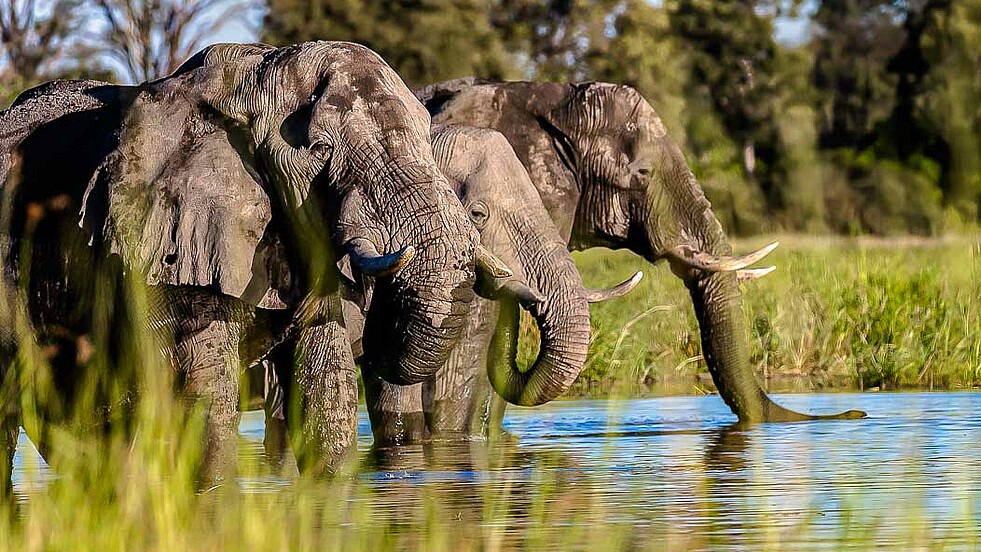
(181, 204)
(435, 96)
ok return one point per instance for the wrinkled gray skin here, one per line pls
(610, 176)
(457, 401)
(232, 187)
(513, 224)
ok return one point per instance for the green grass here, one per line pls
(837, 313)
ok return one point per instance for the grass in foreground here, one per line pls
(837, 313)
(136, 496)
(120, 493)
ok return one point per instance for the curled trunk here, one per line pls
(563, 321)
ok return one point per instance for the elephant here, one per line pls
(229, 190)
(610, 176)
(454, 403)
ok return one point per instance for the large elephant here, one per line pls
(206, 185)
(514, 226)
(610, 176)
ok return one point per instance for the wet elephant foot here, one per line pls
(396, 411)
(209, 360)
(218, 466)
(399, 428)
(322, 404)
(275, 443)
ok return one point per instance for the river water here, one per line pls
(675, 473)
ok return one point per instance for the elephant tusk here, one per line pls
(369, 261)
(619, 290)
(521, 292)
(713, 263)
(490, 265)
(747, 274)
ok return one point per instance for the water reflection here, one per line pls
(675, 473)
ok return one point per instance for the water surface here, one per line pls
(675, 473)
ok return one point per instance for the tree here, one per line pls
(855, 40)
(936, 116)
(558, 39)
(148, 39)
(731, 98)
(33, 42)
(423, 40)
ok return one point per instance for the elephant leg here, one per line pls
(9, 417)
(9, 429)
(395, 411)
(322, 398)
(458, 400)
(210, 364)
(13, 324)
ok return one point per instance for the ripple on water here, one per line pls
(677, 466)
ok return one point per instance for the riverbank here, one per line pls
(837, 314)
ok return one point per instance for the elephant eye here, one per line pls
(479, 214)
(321, 148)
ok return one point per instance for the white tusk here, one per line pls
(713, 263)
(747, 274)
(490, 264)
(619, 290)
(522, 292)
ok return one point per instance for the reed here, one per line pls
(838, 313)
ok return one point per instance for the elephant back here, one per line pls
(52, 139)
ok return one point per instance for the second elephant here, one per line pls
(458, 401)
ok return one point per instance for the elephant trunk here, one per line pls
(417, 311)
(700, 254)
(408, 348)
(718, 309)
(720, 319)
(562, 316)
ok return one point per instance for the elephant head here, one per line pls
(505, 208)
(610, 176)
(248, 153)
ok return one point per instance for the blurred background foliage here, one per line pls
(865, 119)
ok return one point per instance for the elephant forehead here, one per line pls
(649, 126)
